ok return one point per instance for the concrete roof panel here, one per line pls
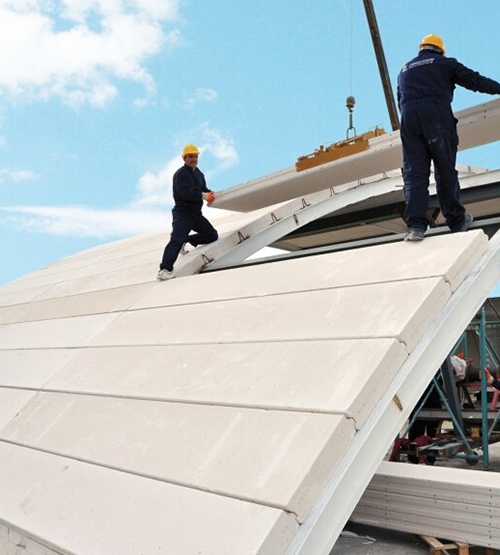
(31, 367)
(83, 508)
(59, 333)
(276, 458)
(11, 402)
(398, 309)
(321, 376)
(451, 256)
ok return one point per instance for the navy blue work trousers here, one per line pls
(429, 133)
(182, 225)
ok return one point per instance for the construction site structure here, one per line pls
(246, 406)
(466, 402)
(104, 391)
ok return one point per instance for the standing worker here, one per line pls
(189, 191)
(429, 133)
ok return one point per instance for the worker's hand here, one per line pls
(210, 197)
(489, 377)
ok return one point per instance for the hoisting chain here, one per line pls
(350, 100)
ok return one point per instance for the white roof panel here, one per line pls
(476, 126)
(76, 507)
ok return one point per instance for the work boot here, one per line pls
(467, 222)
(415, 235)
(163, 275)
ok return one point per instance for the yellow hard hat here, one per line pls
(190, 149)
(433, 40)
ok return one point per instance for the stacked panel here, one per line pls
(460, 504)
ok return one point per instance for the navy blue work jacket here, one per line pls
(188, 184)
(433, 75)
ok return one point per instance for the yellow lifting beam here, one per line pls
(337, 150)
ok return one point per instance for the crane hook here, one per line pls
(350, 102)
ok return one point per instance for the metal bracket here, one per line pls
(206, 260)
(242, 237)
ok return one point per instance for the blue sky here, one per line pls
(98, 97)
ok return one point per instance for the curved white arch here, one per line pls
(281, 220)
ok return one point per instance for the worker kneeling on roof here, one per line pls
(429, 133)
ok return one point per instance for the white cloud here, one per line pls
(200, 95)
(222, 149)
(81, 221)
(153, 189)
(74, 49)
(78, 10)
(148, 211)
(17, 175)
